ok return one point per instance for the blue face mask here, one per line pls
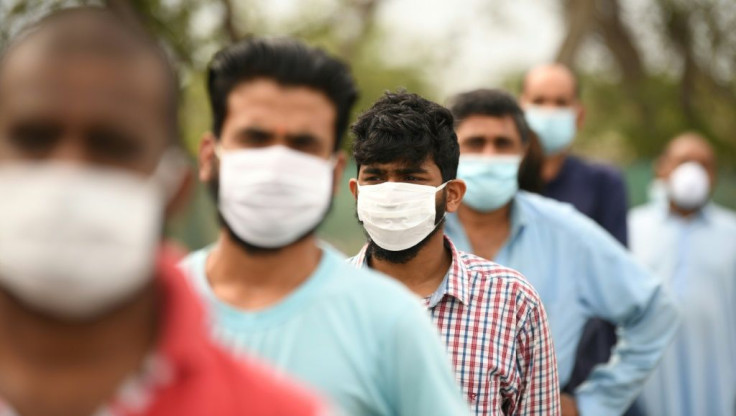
(491, 180)
(555, 127)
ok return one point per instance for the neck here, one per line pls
(487, 232)
(424, 273)
(684, 213)
(254, 280)
(46, 363)
(552, 166)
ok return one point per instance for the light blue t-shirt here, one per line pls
(580, 272)
(358, 337)
(696, 258)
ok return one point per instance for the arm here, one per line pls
(612, 205)
(417, 368)
(618, 289)
(539, 393)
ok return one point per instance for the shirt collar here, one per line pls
(456, 282)
(519, 216)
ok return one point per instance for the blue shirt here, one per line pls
(581, 272)
(697, 259)
(596, 190)
(357, 336)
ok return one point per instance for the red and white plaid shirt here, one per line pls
(496, 331)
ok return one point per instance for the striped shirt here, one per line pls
(495, 329)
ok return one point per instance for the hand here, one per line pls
(569, 407)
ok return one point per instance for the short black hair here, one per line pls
(498, 103)
(116, 35)
(287, 61)
(490, 102)
(405, 127)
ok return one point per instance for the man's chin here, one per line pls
(401, 256)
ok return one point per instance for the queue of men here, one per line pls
(493, 274)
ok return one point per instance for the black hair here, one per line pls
(498, 103)
(287, 61)
(117, 36)
(405, 127)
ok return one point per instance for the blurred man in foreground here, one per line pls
(578, 269)
(550, 97)
(94, 319)
(273, 161)
(491, 319)
(691, 244)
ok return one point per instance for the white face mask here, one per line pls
(77, 240)
(272, 196)
(688, 186)
(398, 215)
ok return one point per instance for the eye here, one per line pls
(35, 137)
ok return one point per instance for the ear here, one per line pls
(206, 157)
(455, 192)
(340, 162)
(354, 187)
(580, 119)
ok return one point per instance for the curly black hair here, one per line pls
(405, 127)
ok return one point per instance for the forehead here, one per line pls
(84, 87)
(556, 81)
(682, 150)
(268, 104)
(487, 126)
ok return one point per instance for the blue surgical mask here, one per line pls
(491, 180)
(555, 127)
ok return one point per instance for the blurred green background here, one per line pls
(649, 69)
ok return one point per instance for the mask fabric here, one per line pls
(688, 186)
(491, 180)
(397, 215)
(271, 197)
(77, 240)
(555, 127)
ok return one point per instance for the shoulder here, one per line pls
(560, 220)
(644, 213)
(492, 277)
(250, 385)
(601, 172)
(724, 217)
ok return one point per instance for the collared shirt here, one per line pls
(187, 375)
(696, 257)
(581, 272)
(353, 335)
(495, 329)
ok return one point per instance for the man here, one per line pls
(689, 242)
(491, 319)
(550, 97)
(578, 269)
(92, 319)
(273, 160)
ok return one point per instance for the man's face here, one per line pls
(551, 87)
(84, 109)
(489, 136)
(687, 151)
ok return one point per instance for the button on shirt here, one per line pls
(354, 335)
(696, 257)
(495, 328)
(581, 272)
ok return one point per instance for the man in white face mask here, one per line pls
(95, 318)
(491, 319)
(273, 161)
(579, 271)
(690, 243)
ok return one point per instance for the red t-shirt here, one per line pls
(188, 375)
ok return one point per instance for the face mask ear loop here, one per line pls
(170, 171)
